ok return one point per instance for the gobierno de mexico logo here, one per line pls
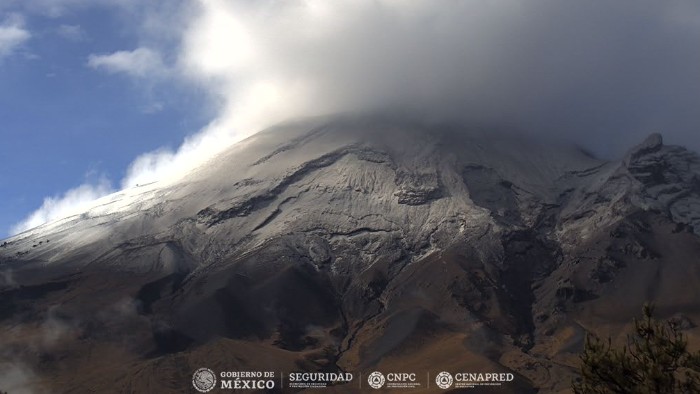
(204, 380)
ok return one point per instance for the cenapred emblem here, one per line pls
(204, 380)
(444, 380)
(376, 380)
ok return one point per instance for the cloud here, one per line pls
(72, 32)
(12, 35)
(59, 8)
(57, 328)
(152, 107)
(141, 62)
(54, 334)
(16, 377)
(69, 203)
(7, 280)
(600, 73)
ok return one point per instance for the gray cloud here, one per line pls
(602, 73)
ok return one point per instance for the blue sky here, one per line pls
(101, 95)
(64, 123)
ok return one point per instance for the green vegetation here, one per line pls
(655, 359)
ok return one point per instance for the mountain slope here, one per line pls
(357, 244)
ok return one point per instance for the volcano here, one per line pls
(356, 244)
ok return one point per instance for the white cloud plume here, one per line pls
(69, 203)
(12, 35)
(141, 62)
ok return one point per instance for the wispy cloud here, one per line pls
(16, 377)
(69, 203)
(7, 280)
(12, 35)
(18, 352)
(72, 32)
(141, 62)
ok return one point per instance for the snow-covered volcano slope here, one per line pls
(361, 244)
(339, 176)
